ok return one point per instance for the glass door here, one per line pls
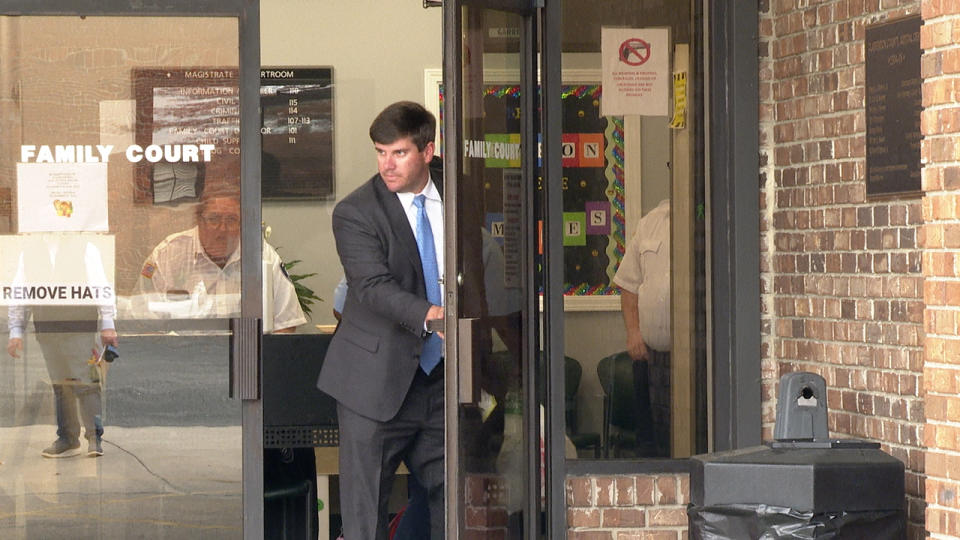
(120, 279)
(490, 145)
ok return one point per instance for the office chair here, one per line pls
(289, 495)
(572, 374)
(627, 419)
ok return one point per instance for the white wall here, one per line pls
(378, 50)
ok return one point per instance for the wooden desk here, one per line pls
(328, 461)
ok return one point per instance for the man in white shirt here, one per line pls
(196, 273)
(644, 281)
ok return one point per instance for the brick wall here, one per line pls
(628, 507)
(842, 286)
(485, 509)
(940, 240)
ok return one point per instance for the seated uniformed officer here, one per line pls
(196, 273)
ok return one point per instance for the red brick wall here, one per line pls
(863, 292)
(485, 512)
(940, 240)
(842, 286)
(628, 507)
(624, 507)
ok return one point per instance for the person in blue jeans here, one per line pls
(66, 336)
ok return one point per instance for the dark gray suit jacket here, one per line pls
(375, 352)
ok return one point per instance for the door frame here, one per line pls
(554, 340)
(732, 106)
(246, 365)
(452, 131)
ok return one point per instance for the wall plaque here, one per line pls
(297, 132)
(177, 108)
(893, 109)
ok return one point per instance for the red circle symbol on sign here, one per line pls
(634, 52)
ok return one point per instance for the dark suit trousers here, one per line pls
(371, 451)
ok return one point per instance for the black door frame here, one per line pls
(452, 131)
(733, 172)
(728, 58)
(246, 364)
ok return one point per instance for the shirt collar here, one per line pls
(430, 191)
(200, 255)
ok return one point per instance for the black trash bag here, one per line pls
(759, 521)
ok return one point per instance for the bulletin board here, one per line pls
(593, 203)
(593, 184)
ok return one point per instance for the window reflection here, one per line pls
(96, 407)
(195, 273)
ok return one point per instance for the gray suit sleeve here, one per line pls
(364, 254)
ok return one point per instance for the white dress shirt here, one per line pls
(434, 206)
(645, 271)
(179, 263)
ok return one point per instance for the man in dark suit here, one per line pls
(384, 368)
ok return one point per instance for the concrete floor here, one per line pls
(151, 482)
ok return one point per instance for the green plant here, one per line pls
(305, 295)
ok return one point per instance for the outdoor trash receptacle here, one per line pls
(841, 491)
(798, 488)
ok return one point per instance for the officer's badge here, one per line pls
(148, 270)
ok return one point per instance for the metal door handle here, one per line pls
(435, 325)
(246, 336)
(468, 369)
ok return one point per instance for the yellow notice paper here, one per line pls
(679, 120)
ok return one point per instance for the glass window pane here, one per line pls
(491, 251)
(112, 130)
(632, 240)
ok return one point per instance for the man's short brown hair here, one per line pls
(404, 119)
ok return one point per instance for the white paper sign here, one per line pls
(55, 197)
(636, 71)
(57, 269)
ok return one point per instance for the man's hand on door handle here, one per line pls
(434, 320)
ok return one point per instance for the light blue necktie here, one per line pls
(433, 346)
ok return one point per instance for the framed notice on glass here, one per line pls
(297, 132)
(187, 134)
